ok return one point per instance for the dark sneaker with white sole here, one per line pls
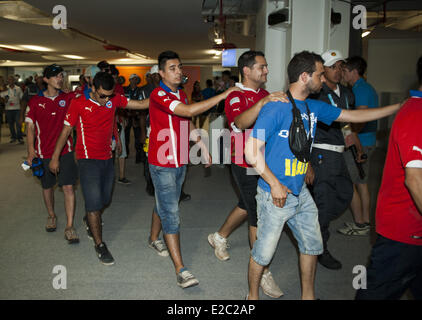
(104, 255)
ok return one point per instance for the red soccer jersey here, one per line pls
(47, 115)
(94, 125)
(235, 104)
(169, 137)
(397, 217)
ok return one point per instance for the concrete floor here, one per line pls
(29, 254)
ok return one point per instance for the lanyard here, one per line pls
(334, 104)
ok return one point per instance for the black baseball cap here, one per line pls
(52, 71)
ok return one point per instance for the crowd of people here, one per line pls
(280, 178)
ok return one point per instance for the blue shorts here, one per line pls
(301, 215)
(97, 180)
(168, 185)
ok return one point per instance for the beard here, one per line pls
(313, 88)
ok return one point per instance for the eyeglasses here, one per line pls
(103, 96)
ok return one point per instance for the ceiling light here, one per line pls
(36, 48)
(364, 34)
(10, 47)
(218, 41)
(71, 56)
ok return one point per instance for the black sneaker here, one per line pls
(104, 255)
(124, 181)
(328, 261)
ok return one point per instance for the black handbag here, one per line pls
(299, 141)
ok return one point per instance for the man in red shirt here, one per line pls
(94, 115)
(254, 70)
(44, 121)
(171, 124)
(396, 258)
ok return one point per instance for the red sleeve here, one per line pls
(165, 101)
(234, 106)
(72, 113)
(115, 131)
(31, 114)
(409, 140)
(120, 101)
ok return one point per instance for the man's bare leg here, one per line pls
(236, 217)
(173, 245)
(155, 226)
(254, 279)
(69, 204)
(307, 276)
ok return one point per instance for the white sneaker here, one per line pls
(159, 246)
(269, 286)
(351, 229)
(186, 279)
(220, 245)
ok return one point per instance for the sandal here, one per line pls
(70, 235)
(51, 224)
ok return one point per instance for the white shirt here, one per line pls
(15, 96)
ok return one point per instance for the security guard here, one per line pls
(332, 187)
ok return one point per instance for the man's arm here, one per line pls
(30, 141)
(61, 141)
(195, 109)
(357, 127)
(413, 182)
(138, 104)
(255, 157)
(246, 119)
(365, 115)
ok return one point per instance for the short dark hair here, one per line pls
(209, 83)
(356, 63)
(419, 70)
(247, 59)
(114, 70)
(103, 80)
(164, 57)
(302, 62)
(103, 65)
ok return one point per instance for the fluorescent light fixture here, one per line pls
(71, 56)
(35, 48)
(218, 41)
(10, 47)
(364, 34)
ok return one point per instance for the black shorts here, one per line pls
(68, 173)
(247, 185)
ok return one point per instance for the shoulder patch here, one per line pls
(234, 100)
(161, 93)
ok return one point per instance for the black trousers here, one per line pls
(332, 189)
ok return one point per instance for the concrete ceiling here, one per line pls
(136, 31)
(144, 28)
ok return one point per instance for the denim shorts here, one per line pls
(301, 215)
(97, 180)
(168, 185)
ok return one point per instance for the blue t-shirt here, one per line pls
(272, 126)
(365, 95)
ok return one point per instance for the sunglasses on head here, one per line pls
(103, 96)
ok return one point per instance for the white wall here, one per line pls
(339, 34)
(392, 64)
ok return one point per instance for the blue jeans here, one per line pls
(168, 185)
(12, 118)
(97, 180)
(301, 215)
